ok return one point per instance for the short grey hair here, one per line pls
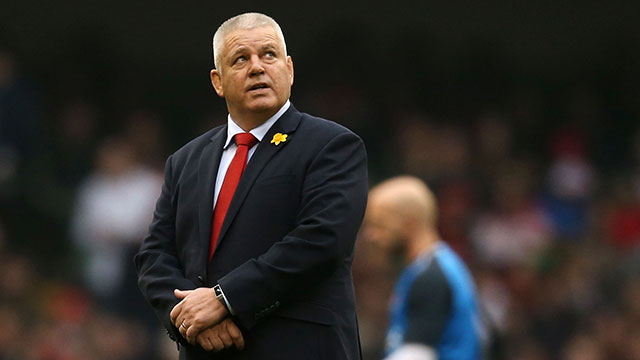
(244, 21)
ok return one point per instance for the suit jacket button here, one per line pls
(201, 280)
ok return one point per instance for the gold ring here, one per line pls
(183, 326)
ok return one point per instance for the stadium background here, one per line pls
(523, 117)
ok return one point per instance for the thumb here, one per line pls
(181, 294)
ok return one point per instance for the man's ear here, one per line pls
(290, 67)
(216, 81)
(411, 224)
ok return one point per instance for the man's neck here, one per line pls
(250, 121)
(247, 123)
(423, 242)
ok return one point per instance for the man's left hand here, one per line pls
(198, 310)
(224, 335)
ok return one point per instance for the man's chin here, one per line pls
(262, 106)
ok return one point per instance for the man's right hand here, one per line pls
(221, 336)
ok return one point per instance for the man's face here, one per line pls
(255, 75)
(383, 226)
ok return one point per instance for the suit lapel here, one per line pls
(287, 124)
(207, 173)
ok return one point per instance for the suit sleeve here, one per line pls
(333, 201)
(159, 270)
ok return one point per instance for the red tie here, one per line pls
(244, 141)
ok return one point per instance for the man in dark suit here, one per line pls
(250, 249)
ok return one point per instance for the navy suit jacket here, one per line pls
(285, 249)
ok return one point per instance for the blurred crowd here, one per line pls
(540, 196)
(547, 219)
(76, 198)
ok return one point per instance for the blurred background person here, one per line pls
(434, 308)
(112, 209)
(113, 206)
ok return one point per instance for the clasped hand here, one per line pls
(201, 318)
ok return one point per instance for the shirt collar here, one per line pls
(259, 132)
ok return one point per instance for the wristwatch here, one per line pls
(220, 295)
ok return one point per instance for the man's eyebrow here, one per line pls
(239, 50)
(269, 47)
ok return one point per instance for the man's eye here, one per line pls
(270, 54)
(239, 59)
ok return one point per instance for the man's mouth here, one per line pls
(258, 86)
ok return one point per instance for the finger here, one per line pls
(225, 337)
(181, 318)
(179, 321)
(183, 331)
(190, 338)
(181, 294)
(175, 312)
(236, 334)
(216, 343)
(204, 342)
(191, 333)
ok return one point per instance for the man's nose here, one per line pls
(255, 65)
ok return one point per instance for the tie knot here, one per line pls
(245, 139)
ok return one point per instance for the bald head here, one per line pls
(409, 198)
(401, 217)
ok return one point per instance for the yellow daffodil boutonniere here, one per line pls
(278, 138)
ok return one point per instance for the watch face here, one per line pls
(218, 291)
